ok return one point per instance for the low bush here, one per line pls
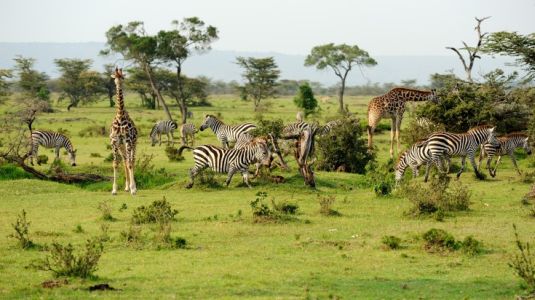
(12, 172)
(438, 240)
(262, 212)
(78, 229)
(63, 261)
(382, 178)
(132, 237)
(523, 263)
(21, 227)
(95, 155)
(159, 211)
(326, 206)
(106, 209)
(172, 154)
(471, 246)
(416, 131)
(391, 242)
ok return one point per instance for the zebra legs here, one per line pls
(463, 164)
(192, 173)
(489, 160)
(514, 163)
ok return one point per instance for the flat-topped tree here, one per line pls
(175, 46)
(32, 83)
(133, 43)
(341, 59)
(261, 75)
(522, 47)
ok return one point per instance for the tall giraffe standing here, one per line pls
(392, 104)
(123, 136)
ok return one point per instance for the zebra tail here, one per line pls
(181, 149)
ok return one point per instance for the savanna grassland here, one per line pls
(227, 254)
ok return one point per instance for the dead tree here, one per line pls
(472, 51)
(303, 151)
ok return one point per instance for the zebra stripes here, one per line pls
(163, 127)
(49, 139)
(228, 161)
(188, 131)
(506, 146)
(325, 129)
(225, 133)
(442, 144)
(413, 158)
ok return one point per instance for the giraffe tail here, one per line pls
(181, 149)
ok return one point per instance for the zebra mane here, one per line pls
(516, 134)
(479, 127)
(401, 156)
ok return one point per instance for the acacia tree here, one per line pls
(341, 59)
(139, 83)
(516, 45)
(33, 83)
(191, 89)
(4, 84)
(471, 51)
(77, 82)
(132, 42)
(261, 75)
(109, 83)
(175, 46)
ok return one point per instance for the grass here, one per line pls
(229, 257)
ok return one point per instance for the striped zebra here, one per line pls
(325, 129)
(163, 127)
(413, 158)
(297, 128)
(246, 138)
(228, 161)
(188, 131)
(225, 133)
(49, 139)
(442, 144)
(506, 146)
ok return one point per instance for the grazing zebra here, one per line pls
(188, 130)
(163, 127)
(442, 144)
(228, 161)
(49, 139)
(297, 127)
(246, 138)
(506, 146)
(225, 134)
(414, 157)
(325, 129)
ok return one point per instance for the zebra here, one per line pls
(163, 127)
(228, 161)
(225, 133)
(506, 146)
(441, 144)
(188, 130)
(325, 129)
(49, 139)
(246, 138)
(414, 157)
(296, 128)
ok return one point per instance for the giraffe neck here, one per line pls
(413, 95)
(119, 104)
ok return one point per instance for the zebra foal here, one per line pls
(506, 146)
(163, 127)
(225, 133)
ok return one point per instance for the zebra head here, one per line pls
(491, 138)
(401, 166)
(208, 121)
(72, 157)
(262, 153)
(433, 97)
(526, 145)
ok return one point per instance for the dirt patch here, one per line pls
(51, 284)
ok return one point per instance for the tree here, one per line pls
(109, 83)
(260, 75)
(305, 99)
(77, 82)
(5, 84)
(32, 82)
(471, 51)
(341, 59)
(175, 46)
(139, 83)
(513, 44)
(132, 42)
(192, 89)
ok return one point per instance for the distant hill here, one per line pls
(219, 65)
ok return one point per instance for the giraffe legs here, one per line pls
(130, 163)
(392, 135)
(115, 149)
(398, 126)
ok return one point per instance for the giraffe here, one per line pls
(123, 136)
(392, 104)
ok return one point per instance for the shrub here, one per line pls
(326, 204)
(278, 212)
(208, 178)
(132, 236)
(158, 211)
(109, 158)
(305, 99)
(12, 172)
(63, 261)
(438, 240)
(21, 231)
(523, 263)
(415, 132)
(382, 178)
(285, 207)
(94, 131)
(344, 148)
(78, 229)
(106, 209)
(173, 154)
(471, 246)
(95, 155)
(146, 174)
(104, 229)
(391, 242)
(42, 159)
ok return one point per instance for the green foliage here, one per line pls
(106, 209)
(173, 154)
(516, 45)
(391, 242)
(133, 237)
(438, 240)
(146, 174)
(21, 231)
(42, 159)
(12, 172)
(285, 207)
(260, 75)
(31, 82)
(471, 246)
(265, 127)
(5, 84)
(262, 212)
(326, 206)
(415, 132)
(159, 211)
(63, 261)
(344, 148)
(523, 263)
(382, 177)
(305, 99)
(78, 229)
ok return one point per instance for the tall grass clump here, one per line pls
(21, 234)
(523, 262)
(158, 211)
(277, 212)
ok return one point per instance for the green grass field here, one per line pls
(229, 256)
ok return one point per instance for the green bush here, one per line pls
(106, 209)
(12, 172)
(326, 206)
(305, 99)
(523, 263)
(21, 227)
(415, 132)
(94, 131)
(382, 178)
(262, 212)
(173, 154)
(391, 242)
(471, 246)
(133, 237)
(344, 148)
(159, 211)
(438, 240)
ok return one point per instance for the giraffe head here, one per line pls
(118, 76)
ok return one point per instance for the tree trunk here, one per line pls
(72, 104)
(183, 111)
(341, 95)
(148, 71)
(181, 96)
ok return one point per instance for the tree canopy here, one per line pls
(514, 44)
(261, 75)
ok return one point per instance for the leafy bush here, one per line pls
(106, 209)
(42, 159)
(173, 154)
(326, 204)
(382, 178)
(391, 242)
(415, 132)
(305, 99)
(132, 236)
(344, 148)
(21, 231)
(438, 240)
(159, 211)
(471, 246)
(78, 229)
(63, 261)
(523, 263)
(208, 178)
(278, 212)
(285, 207)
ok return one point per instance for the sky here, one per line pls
(382, 27)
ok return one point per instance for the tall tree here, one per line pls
(516, 45)
(341, 59)
(133, 43)
(305, 99)
(109, 83)
(471, 51)
(261, 75)
(139, 83)
(5, 84)
(32, 82)
(176, 45)
(77, 83)
(192, 89)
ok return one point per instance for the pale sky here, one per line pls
(382, 27)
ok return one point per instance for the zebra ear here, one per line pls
(526, 139)
(492, 129)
